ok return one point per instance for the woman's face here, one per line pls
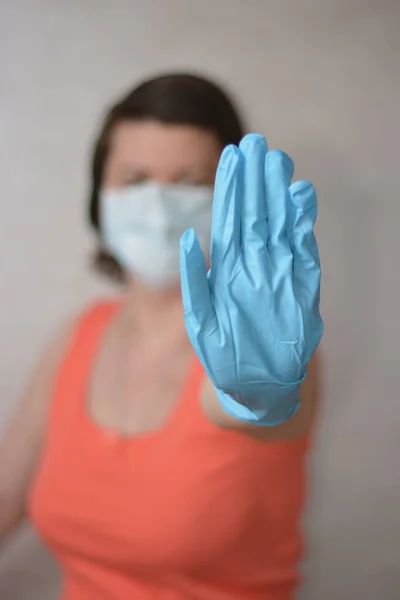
(157, 184)
(151, 151)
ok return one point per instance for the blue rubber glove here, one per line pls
(254, 318)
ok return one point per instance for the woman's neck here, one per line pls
(156, 313)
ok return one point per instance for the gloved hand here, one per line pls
(254, 318)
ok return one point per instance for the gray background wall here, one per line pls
(322, 80)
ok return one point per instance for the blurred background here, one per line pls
(321, 79)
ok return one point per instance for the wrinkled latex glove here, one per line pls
(254, 318)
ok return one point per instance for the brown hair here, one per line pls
(180, 99)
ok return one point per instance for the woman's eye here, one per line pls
(192, 181)
(136, 180)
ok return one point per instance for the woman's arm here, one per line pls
(21, 444)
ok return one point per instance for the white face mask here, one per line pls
(142, 226)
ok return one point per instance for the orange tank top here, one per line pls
(190, 512)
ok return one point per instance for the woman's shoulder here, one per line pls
(59, 344)
(86, 324)
(96, 309)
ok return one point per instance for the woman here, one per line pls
(146, 477)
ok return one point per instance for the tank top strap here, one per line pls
(75, 368)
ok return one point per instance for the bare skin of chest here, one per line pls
(135, 384)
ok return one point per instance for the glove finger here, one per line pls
(225, 232)
(197, 304)
(306, 266)
(254, 210)
(278, 175)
